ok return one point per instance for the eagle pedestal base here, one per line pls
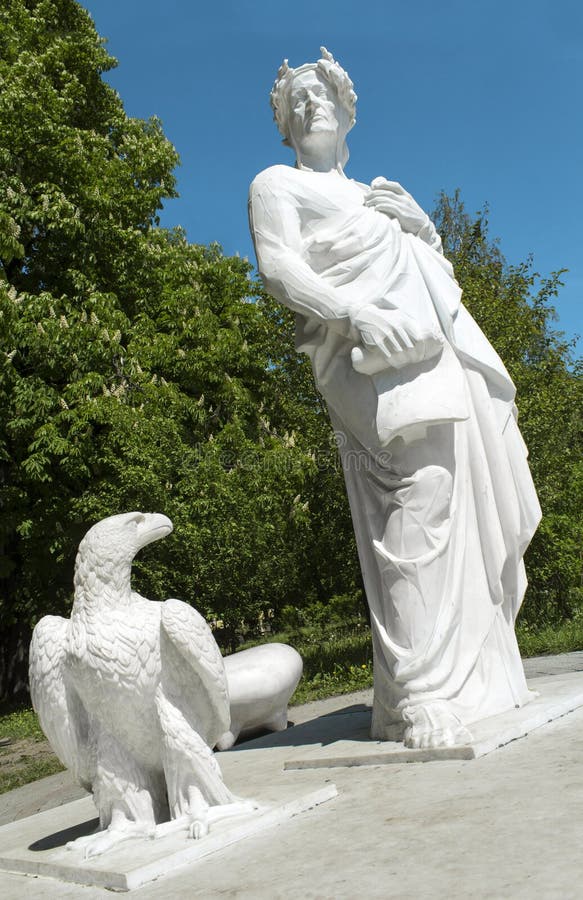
(38, 845)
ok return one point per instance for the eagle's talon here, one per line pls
(198, 829)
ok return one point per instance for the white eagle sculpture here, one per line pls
(132, 694)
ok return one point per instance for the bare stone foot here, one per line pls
(433, 725)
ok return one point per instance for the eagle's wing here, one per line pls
(190, 635)
(62, 716)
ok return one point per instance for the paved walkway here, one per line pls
(508, 825)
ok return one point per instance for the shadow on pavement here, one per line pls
(60, 838)
(349, 722)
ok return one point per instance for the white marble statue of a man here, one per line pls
(441, 495)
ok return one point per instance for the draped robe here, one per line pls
(441, 496)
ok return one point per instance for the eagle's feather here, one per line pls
(61, 714)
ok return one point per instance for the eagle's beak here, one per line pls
(152, 527)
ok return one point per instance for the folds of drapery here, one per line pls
(440, 491)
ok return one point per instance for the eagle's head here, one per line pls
(105, 554)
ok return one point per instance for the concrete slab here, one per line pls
(507, 825)
(61, 788)
(46, 793)
(342, 738)
(558, 664)
(37, 845)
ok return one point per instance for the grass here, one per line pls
(551, 639)
(19, 724)
(27, 757)
(337, 660)
(27, 769)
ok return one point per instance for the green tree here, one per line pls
(140, 371)
(512, 305)
(134, 365)
(297, 407)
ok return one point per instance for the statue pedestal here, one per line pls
(37, 845)
(344, 740)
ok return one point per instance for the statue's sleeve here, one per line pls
(274, 219)
(428, 234)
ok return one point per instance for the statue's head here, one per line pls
(106, 553)
(116, 540)
(313, 104)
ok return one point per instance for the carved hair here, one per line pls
(330, 70)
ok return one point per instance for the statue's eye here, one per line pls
(136, 519)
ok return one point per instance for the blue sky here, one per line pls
(486, 97)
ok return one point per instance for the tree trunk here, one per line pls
(14, 663)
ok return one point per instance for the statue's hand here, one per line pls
(387, 339)
(390, 198)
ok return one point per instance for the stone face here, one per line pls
(261, 681)
(133, 695)
(441, 495)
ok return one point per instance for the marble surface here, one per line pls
(442, 500)
(261, 681)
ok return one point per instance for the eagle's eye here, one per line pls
(136, 519)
